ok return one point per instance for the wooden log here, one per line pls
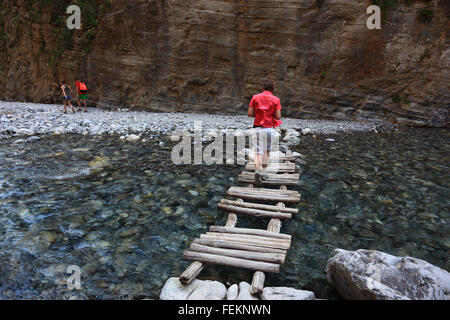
(265, 194)
(260, 243)
(255, 232)
(249, 255)
(258, 282)
(258, 206)
(231, 261)
(265, 191)
(254, 212)
(275, 167)
(279, 159)
(287, 176)
(274, 225)
(270, 181)
(191, 272)
(239, 246)
(232, 220)
(249, 236)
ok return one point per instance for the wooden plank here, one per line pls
(254, 212)
(240, 246)
(249, 255)
(274, 158)
(258, 206)
(272, 179)
(264, 191)
(265, 194)
(231, 261)
(256, 232)
(249, 237)
(247, 241)
(280, 167)
(278, 176)
(191, 272)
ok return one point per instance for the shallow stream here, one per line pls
(124, 214)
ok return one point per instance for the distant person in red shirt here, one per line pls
(82, 94)
(266, 109)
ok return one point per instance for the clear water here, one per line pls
(124, 213)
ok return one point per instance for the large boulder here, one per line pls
(196, 290)
(284, 293)
(370, 274)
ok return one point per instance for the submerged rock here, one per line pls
(370, 274)
(196, 290)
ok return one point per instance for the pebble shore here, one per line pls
(28, 119)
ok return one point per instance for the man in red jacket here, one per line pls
(266, 109)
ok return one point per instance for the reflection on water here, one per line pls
(125, 214)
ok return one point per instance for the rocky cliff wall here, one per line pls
(212, 56)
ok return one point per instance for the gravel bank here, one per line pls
(38, 119)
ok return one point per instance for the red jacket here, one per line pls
(265, 105)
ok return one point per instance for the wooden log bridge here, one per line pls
(253, 249)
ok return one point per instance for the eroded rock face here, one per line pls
(369, 274)
(212, 56)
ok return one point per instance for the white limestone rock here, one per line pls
(196, 290)
(370, 275)
(133, 137)
(306, 131)
(244, 292)
(233, 292)
(284, 293)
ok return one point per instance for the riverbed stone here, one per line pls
(244, 292)
(133, 137)
(375, 275)
(233, 292)
(25, 132)
(285, 293)
(196, 290)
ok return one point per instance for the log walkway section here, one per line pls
(253, 249)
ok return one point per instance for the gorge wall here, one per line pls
(212, 56)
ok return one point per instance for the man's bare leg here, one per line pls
(257, 161)
(71, 107)
(265, 162)
(85, 105)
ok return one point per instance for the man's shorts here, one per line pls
(263, 139)
(82, 96)
(68, 98)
